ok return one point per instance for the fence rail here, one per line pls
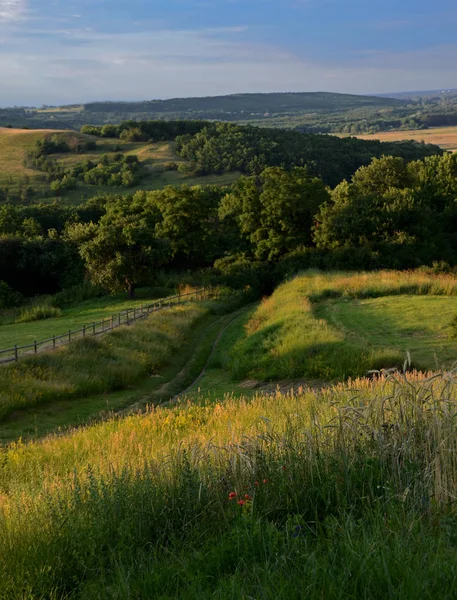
(125, 317)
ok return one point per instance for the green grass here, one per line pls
(180, 369)
(420, 325)
(74, 318)
(217, 383)
(296, 334)
(343, 492)
(349, 495)
(95, 366)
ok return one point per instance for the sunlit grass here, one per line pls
(288, 336)
(356, 479)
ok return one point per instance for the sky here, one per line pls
(73, 51)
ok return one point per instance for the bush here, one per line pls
(39, 312)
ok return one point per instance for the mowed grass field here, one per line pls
(15, 143)
(446, 137)
(420, 325)
(334, 326)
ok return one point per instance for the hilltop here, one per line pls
(244, 106)
(267, 108)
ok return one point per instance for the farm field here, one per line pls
(214, 484)
(15, 143)
(446, 137)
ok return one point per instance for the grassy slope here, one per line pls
(339, 503)
(14, 144)
(179, 370)
(74, 318)
(288, 337)
(96, 366)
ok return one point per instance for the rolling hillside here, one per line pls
(271, 108)
(17, 174)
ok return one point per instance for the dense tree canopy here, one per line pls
(224, 147)
(121, 249)
(275, 210)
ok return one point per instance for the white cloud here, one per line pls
(79, 65)
(11, 9)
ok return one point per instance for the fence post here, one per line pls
(15, 352)
(69, 336)
(93, 328)
(112, 322)
(84, 331)
(127, 317)
(134, 314)
(119, 319)
(54, 342)
(36, 350)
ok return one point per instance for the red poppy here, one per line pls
(248, 497)
(241, 502)
(265, 481)
(232, 495)
(256, 483)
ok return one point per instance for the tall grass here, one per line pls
(285, 339)
(348, 492)
(38, 312)
(98, 365)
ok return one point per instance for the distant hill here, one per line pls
(244, 106)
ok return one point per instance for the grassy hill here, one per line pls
(343, 490)
(14, 144)
(154, 159)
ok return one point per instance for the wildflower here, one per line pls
(241, 502)
(247, 497)
(265, 481)
(232, 495)
(256, 483)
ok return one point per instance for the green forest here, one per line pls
(300, 200)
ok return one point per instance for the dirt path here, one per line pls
(235, 316)
(159, 396)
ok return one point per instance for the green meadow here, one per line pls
(198, 478)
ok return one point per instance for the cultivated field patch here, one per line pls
(445, 137)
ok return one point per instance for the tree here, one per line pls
(120, 251)
(189, 222)
(275, 211)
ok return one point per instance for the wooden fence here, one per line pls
(99, 328)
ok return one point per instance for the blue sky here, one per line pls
(65, 51)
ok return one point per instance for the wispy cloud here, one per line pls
(11, 9)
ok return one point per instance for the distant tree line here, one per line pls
(144, 131)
